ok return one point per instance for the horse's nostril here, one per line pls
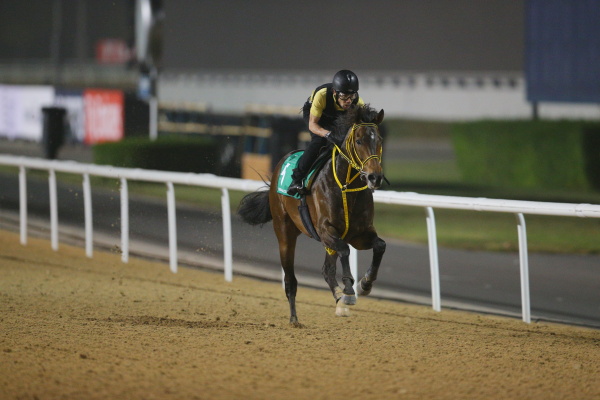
(375, 179)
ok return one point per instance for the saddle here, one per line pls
(285, 175)
(285, 179)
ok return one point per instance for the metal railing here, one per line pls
(428, 202)
(124, 175)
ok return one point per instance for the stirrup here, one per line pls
(295, 188)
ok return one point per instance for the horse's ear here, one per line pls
(379, 118)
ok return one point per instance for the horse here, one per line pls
(340, 204)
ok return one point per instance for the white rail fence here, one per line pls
(428, 202)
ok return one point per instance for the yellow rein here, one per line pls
(354, 162)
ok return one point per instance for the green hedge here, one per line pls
(184, 154)
(529, 154)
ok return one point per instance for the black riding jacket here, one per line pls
(330, 112)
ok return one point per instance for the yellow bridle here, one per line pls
(354, 162)
(350, 145)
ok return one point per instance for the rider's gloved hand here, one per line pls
(331, 138)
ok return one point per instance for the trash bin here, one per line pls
(54, 127)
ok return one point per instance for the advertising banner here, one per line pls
(103, 115)
(7, 112)
(21, 110)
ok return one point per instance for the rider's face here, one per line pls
(345, 100)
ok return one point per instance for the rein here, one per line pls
(354, 162)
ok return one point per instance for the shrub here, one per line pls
(171, 153)
(529, 154)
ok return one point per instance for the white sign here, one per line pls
(21, 110)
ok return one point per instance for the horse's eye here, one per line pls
(358, 142)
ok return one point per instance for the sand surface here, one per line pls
(79, 328)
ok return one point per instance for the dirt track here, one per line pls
(75, 328)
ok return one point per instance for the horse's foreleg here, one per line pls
(347, 296)
(347, 277)
(343, 250)
(329, 269)
(366, 283)
(329, 273)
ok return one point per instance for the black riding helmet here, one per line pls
(345, 81)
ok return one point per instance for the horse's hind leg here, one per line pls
(287, 235)
(286, 253)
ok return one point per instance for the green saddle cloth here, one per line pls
(285, 174)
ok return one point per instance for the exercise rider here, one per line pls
(320, 111)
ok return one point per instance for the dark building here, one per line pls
(425, 35)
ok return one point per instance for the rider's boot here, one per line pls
(296, 187)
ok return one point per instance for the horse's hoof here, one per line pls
(342, 310)
(294, 323)
(361, 291)
(348, 300)
(343, 305)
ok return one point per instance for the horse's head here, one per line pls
(363, 143)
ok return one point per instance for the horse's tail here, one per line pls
(254, 208)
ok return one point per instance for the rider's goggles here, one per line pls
(347, 96)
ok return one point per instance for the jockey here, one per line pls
(322, 108)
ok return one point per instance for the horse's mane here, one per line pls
(356, 114)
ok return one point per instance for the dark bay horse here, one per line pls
(341, 209)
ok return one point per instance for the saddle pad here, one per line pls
(285, 174)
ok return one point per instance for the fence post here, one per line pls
(23, 203)
(354, 267)
(524, 268)
(172, 227)
(87, 207)
(227, 239)
(433, 260)
(53, 210)
(124, 221)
